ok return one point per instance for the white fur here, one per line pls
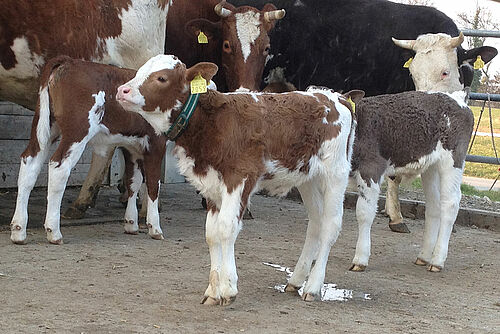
(155, 64)
(131, 214)
(143, 28)
(153, 217)
(247, 29)
(43, 127)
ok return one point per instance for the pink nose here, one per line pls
(123, 91)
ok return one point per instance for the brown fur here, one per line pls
(402, 128)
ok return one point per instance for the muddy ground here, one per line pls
(104, 281)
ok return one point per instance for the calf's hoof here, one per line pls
(157, 236)
(54, 238)
(311, 297)
(292, 288)
(73, 213)
(130, 227)
(357, 267)
(420, 262)
(17, 235)
(399, 227)
(433, 268)
(207, 300)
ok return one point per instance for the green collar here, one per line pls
(181, 122)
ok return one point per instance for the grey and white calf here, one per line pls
(77, 104)
(238, 143)
(435, 68)
(407, 134)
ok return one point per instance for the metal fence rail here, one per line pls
(480, 33)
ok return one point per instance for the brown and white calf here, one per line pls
(77, 105)
(443, 75)
(237, 143)
(124, 33)
(407, 134)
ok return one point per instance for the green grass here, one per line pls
(465, 188)
(484, 126)
(483, 146)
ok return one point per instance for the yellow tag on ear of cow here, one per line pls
(408, 62)
(353, 105)
(479, 63)
(198, 85)
(202, 38)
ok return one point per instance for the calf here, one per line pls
(237, 143)
(77, 104)
(412, 133)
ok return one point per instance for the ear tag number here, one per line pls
(353, 105)
(198, 85)
(202, 38)
(479, 63)
(408, 63)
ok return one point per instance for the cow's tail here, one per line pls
(42, 114)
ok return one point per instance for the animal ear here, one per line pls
(211, 29)
(207, 71)
(487, 53)
(355, 95)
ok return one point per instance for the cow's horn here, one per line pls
(221, 11)
(404, 43)
(274, 15)
(457, 41)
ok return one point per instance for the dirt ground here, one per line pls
(104, 281)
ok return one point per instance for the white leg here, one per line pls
(430, 183)
(311, 197)
(330, 226)
(131, 216)
(366, 208)
(58, 177)
(450, 203)
(28, 174)
(212, 294)
(228, 227)
(153, 218)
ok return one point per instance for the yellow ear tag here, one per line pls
(202, 38)
(479, 63)
(353, 105)
(198, 85)
(408, 62)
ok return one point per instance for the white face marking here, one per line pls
(248, 29)
(155, 64)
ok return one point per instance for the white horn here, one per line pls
(404, 43)
(457, 41)
(274, 15)
(221, 11)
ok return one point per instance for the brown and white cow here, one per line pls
(408, 134)
(124, 33)
(77, 105)
(237, 143)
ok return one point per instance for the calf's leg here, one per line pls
(212, 293)
(152, 171)
(366, 209)
(133, 183)
(329, 230)
(63, 160)
(430, 183)
(450, 179)
(90, 188)
(393, 207)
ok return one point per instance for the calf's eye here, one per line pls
(162, 79)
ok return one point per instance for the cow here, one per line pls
(237, 143)
(347, 45)
(77, 104)
(412, 133)
(125, 33)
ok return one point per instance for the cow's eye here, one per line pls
(267, 49)
(445, 74)
(162, 79)
(226, 46)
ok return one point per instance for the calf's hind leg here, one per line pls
(393, 207)
(63, 160)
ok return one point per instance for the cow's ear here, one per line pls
(487, 53)
(211, 29)
(207, 71)
(356, 95)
